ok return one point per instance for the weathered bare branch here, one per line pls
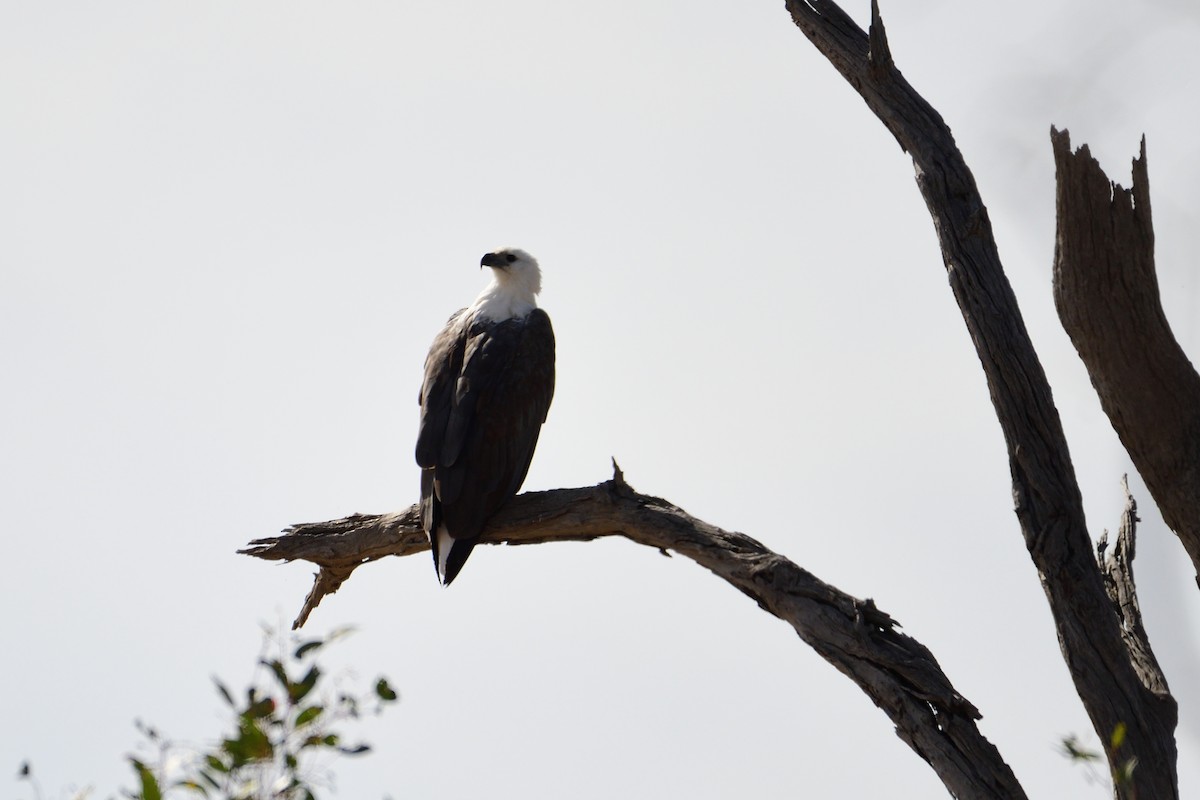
(1106, 291)
(1117, 567)
(898, 673)
(1046, 493)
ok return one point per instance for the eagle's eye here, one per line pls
(509, 257)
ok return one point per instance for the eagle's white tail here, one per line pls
(445, 545)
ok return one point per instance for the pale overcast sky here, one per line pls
(230, 230)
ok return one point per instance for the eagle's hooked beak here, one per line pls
(494, 260)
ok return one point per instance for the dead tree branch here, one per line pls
(1117, 567)
(898, 673)
(1106, 292)
(1046, 493)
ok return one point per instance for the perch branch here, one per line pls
(1048, 503)
(898, 673)
(1106, 292)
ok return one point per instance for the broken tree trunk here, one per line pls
(1106, 292)
(1045, 491)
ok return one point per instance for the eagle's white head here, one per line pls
(516, 280)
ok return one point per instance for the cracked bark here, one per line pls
(1117, 567)
(1046, 494)
(1106, 292)
(897, 672)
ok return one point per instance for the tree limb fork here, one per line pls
(1046, 494)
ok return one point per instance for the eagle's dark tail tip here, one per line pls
(459, 552)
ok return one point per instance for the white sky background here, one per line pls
(229, 231)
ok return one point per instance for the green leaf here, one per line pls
(260, 709)
(280, 673)
(316, 740)
(150, 787)
(250, 746)
(384, 691)
(298, 691)
(194, 786)
(1118, 735)
(1075, 751)
(308, 715)
(224, 692)
(308, 647)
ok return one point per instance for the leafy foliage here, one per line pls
(279, 732)
(1072, 749)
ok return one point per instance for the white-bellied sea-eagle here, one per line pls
(489, 377)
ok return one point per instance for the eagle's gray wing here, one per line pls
(477, 442)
